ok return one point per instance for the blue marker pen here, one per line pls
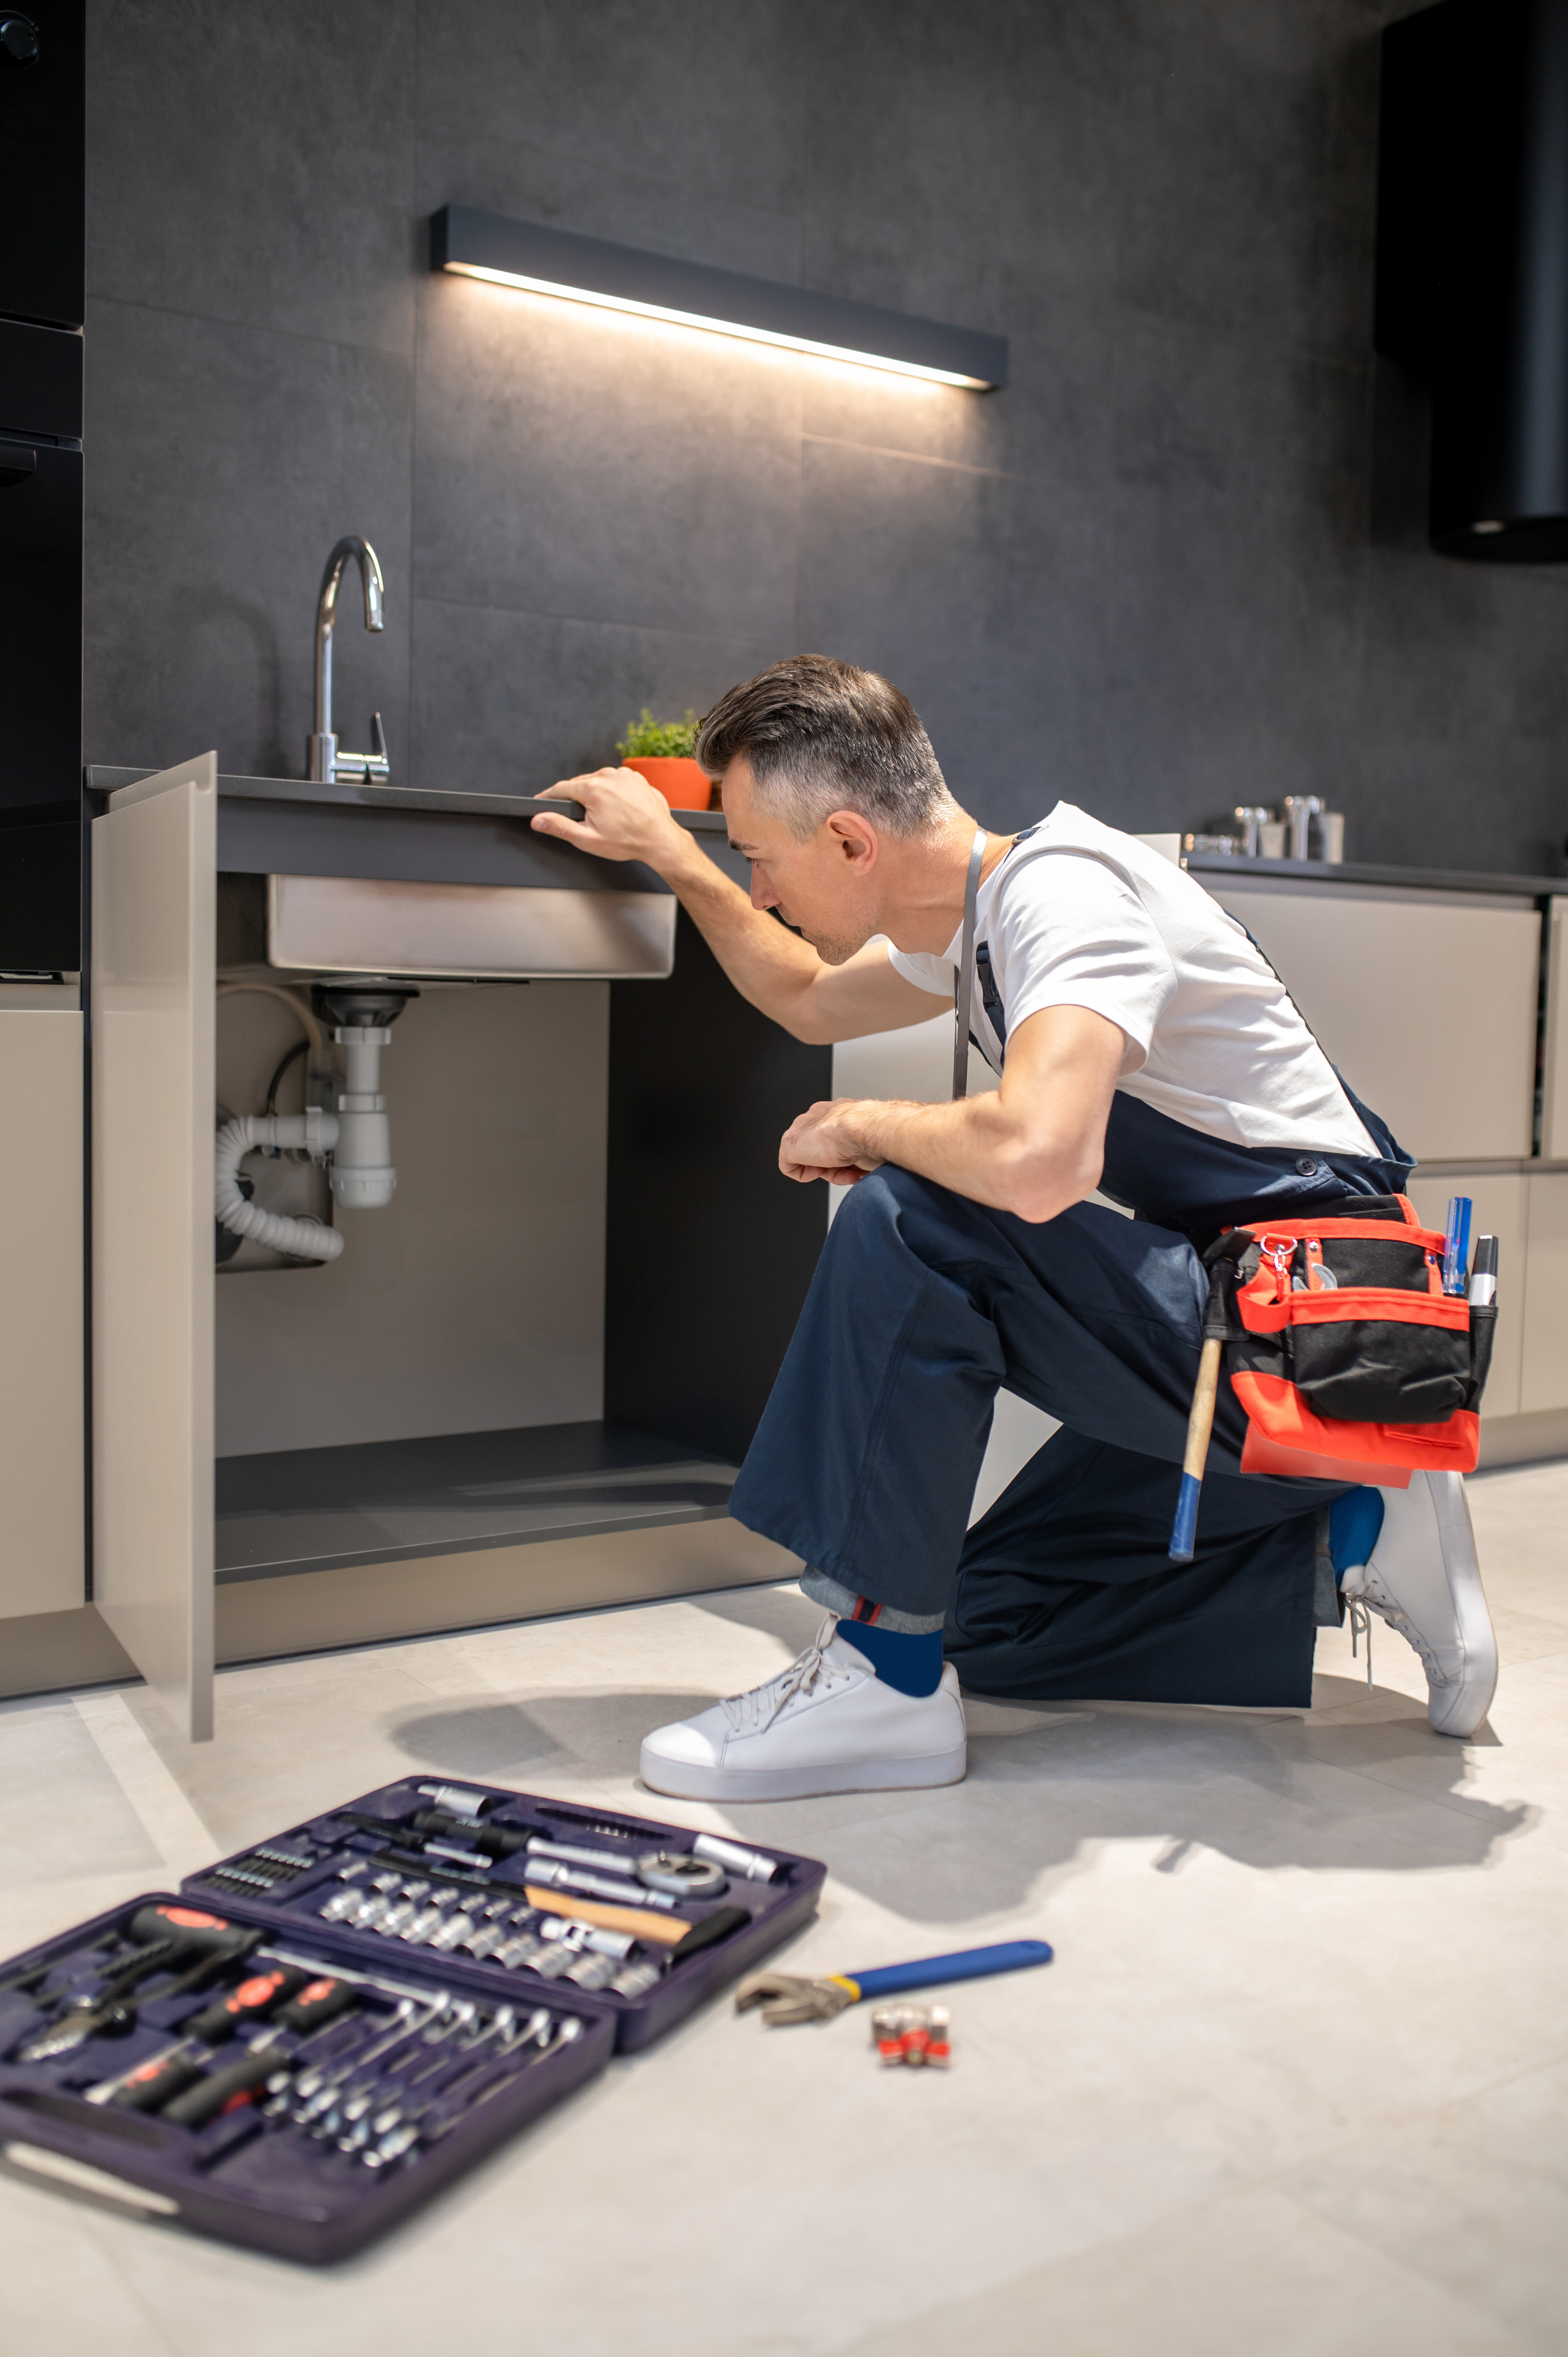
(1457, 1248)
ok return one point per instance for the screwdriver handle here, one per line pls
(190, 1925)
(321, 2002)
(168, 2073)
(150, 2088)
(198, 2105)
(251, 2001)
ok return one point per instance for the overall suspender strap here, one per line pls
(965, 982)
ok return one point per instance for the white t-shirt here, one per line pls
(1082, 915)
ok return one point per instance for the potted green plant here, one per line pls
(661, 751)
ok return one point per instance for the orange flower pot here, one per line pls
(683, 784)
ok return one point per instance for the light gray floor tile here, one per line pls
(1294, 2081)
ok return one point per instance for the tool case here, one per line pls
(331, 2069)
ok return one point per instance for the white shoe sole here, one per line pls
(686, 1781)
(1458, 1709)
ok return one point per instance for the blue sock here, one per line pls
(913, 1664)
(1354, 1526)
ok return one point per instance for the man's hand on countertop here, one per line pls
(627, 819)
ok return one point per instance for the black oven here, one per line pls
(41, 271)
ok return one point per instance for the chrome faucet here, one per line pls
(325, 759)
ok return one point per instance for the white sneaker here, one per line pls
(1424, 1580)
(827, 1724)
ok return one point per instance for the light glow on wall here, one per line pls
(470, 245)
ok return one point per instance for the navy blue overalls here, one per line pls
(924, 1304)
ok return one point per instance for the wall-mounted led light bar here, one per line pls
(621, 278)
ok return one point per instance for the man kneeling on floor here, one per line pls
(1147, 1049)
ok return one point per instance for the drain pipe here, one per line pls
(316, 1132)
(358, 1136)
(362, 1175)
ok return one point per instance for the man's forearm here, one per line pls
(1032, 1148)
(768, 964)
(974, 1148)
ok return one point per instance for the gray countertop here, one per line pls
(1415, 879)
(290, 826)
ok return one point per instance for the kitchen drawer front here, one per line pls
(1427, 1003)
(1544, 1370)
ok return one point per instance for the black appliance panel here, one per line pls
(42, 162)
(41, 627)
(40, 381)
(40, 721)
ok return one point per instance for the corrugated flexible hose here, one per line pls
(301, 1238)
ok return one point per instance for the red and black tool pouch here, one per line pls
(1349, 1357)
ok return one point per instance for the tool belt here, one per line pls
(1343, 1348)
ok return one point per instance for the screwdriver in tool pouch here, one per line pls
(1456, 1243)
(149, 2085)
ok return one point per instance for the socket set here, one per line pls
(514, 1892)
(312, 2037)
(191, 2068)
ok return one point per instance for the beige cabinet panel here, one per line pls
(1501, 1202)
(42, 1376)
(1545, 1366)
(1554, 1071)
(1426, 1002)
(154, 1002)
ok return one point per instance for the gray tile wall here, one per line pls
(1146, 576)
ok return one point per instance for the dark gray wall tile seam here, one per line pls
(394, 359)
(916, 457)
(586, 621)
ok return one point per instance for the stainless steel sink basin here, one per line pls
(333, 925)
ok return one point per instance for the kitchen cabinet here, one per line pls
(153, 998)
(1554, 1036)
(1427, 1002)
(42, 1532)
(1543, 1379)
(685, 1246)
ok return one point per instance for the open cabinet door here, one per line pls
(153, 995)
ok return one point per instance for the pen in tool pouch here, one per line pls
(1456, 1245)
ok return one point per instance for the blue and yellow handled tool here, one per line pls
(1223, 1258)
(788, 1997)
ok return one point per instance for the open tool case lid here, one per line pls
(261, 2180)
(770, 1910)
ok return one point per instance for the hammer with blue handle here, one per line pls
(787, 1996)
(1222, 1258)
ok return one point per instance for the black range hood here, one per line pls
(1473, 265)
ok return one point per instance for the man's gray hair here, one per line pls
(821, 735)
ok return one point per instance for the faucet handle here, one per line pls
(371, 768)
